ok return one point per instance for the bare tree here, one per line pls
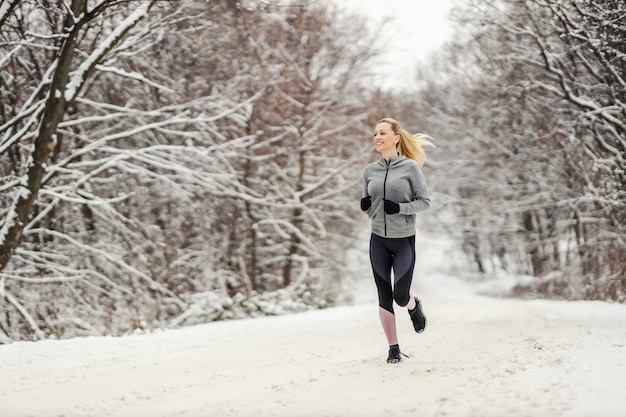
(180, 171)
(535, 102)
(72, 127)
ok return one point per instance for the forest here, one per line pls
(168, 163)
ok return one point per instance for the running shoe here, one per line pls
(417, 317)
(395, 355)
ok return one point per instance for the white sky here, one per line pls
(421, 27)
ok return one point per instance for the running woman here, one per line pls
(394, 190)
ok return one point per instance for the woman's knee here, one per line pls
(385, 297)
(402, 299)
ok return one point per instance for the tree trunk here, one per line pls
(45, 142)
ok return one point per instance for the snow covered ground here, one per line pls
(479, 356)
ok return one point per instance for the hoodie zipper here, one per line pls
(385, 195)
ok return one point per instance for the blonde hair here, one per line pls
(409, 145)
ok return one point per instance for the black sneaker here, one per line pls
(417, 317)
(395, 355)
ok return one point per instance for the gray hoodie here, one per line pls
(400, 180)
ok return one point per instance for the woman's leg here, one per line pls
(381, 259)
(412, 303)
(388, 320)
(403, 266)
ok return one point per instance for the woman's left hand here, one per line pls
(391, 207)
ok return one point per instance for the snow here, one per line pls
(479, 356)
(78, 77)
(4, 8)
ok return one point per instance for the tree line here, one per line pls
(153, 152)
(531, 96)
(163, 159)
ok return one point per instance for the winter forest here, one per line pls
(168, 163)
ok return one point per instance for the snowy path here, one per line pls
(478, 357)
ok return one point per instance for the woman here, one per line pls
(394, 190)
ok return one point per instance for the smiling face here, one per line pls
(385, 140)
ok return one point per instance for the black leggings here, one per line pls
(397, 254)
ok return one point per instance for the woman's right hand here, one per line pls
(366, 203)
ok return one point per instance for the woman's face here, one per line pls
(384, 139)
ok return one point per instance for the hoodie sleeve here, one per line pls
(366, 193)
(421, 197)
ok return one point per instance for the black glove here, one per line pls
(366, 203)
(391, 207)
